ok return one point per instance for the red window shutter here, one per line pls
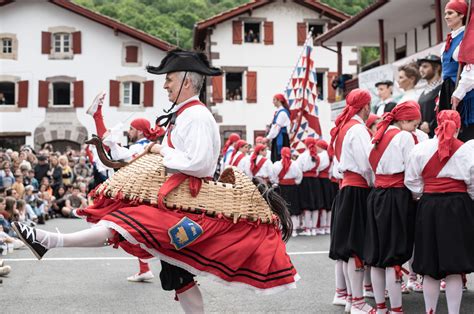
(217, 89)
(331, 90)
(78, 94)
(131, 54)
(114, 99)
(148, 93)
(237, 32)
(43, 94)
(23, 94)
(45, 43)
(251, 87)
(76, 43)
(301, 33)
(268, 33)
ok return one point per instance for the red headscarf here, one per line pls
(310, 143)
(322, 144)
(459, 6)
(237, 146)
(259, 140)
(283, 101)
(371, 120)
(285, 161)
(449, 121)
(144, 125)
(355, 101)
(234, 137)
(253, 158)
(408, 110)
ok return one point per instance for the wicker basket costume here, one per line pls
(141, 180)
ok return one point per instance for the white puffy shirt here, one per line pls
(395, 157)
(265, 172)
(355, 152)
(282, 121)
(196, 142)
(459, 167)
(293, 173)
(306, 164)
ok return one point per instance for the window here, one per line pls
(61, 93)
(400, 53)
(317, 29)
(62, 43)
(14, 142)
(320, 79)
(7, 93)
(233, 83)
(7, 45)
(131, 93)
(252, 32)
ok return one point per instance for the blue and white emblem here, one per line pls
(184, 233)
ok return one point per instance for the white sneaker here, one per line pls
(414, 285)
(18, 244)
(362, 308)
(368, 293)
(339, 299)
(141, 277)
(348, 306)
(5, 270)
(294, 234)
(98, 101)
(327, 230)
(313, 231)
(319, 230)
(307, 233)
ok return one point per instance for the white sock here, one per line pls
(430, 293)
(296, 222)
(356, 277)
(340, 281)
(324, 216)
(315, 218)
(368, 276)
(454, 293)
(93, 237)
(328, 218)
(346, 277)
(191, 301)
(394, 288)
(412, 275)
(378, 283)
(307, 220)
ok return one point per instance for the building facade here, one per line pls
(258, 45)
(52, 66)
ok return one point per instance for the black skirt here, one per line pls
(348, 223)
(276, 153)
(307, 193)
(389, 233)
(444, 235)
(290, 194)
(326, 194)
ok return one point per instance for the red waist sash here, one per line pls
(353, 179)
(395, 180)
(444, 185)
(324, 174)
(287, 182)
(310, 174)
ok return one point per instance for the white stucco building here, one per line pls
(55, 56)
(257, 45)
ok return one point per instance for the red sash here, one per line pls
(236, 162)
(282, 174)
(180, 111)
(385, 180)
(287, 182)
(259, 165)
(441, 185)
(313, 172)
(324, 174)
(353, 179)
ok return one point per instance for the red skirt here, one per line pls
(243, 254)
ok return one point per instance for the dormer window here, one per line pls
(61, 42)
(7, 45)
(252, 32)
(131, 54)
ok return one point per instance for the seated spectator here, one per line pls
(250, 37)
(31, 180)
(66, 173)
(11, 192)
(34, 206)
(6, 176)
(73, 202)
(41, 168)
(82, 169)
(18, 185)
(59, 201)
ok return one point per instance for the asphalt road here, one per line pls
(93, 280)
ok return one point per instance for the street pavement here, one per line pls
(93, 280)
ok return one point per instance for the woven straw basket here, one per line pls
(141, 180)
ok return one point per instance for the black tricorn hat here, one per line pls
(430, 58)
(179, 60)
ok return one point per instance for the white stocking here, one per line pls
(430, 293)
(93, 237)
(356, 277)
(315, 218)
(346, 277)
(378, 283)
(324, 215)
(296, 222)
(328, 218)
(394, 288)
(340, 281)
(367, 276)
(191, 301)
(454, 293)
(307, 220)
